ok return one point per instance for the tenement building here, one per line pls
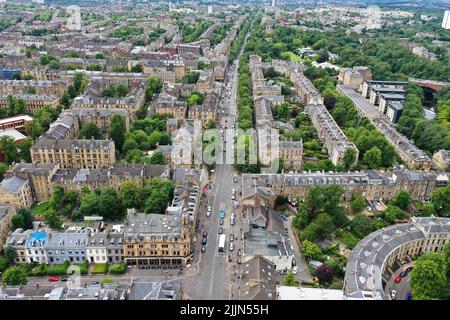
(263, 189)
(153, 241)
(372, 262)
(74, 153)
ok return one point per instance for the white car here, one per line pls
(393, 294)
(231, 248)
(294, 270)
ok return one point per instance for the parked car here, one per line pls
(409, 269)
(294, 263)
(398, 279)
(203, 248)
(232, 221)
(231, 248)
(403, 274)
(205, 234)
(53, 279)
(409, 296)
(231, 237)
(94, 283)
(239, 261)
(65, 278)
(220, 230)
(235, 180)
(204, 240)
(233, 197)
(221, 221)
(294, 270)
(393, 294)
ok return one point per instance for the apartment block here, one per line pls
(81, 154)
(369, 85)
(16, 192)
(65, 246)
(33, 102)
(132, 102)
(6, 214)
(56, 87)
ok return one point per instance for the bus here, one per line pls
(222, 214)
(221, 243)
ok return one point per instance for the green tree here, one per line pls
(372, 158)
(9, 149)
(130, 194)
(358, 203)
(22, 219)
(310, 251)
(24, 150)
(9, 255)
(349, 158)
(157, 158)
(439, 198)
(53, 221)
(117, 131)
(110, 206)
(361, 225)
(402, 200)
(15, 276)
(3, 168)
(57, 198)
(90, 130)
(428, 278)
(89, 204)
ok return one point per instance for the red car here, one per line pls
(53, 279)
(205, 234)
(398, 279)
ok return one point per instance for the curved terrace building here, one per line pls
(370, 262)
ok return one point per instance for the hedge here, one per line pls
(100, 268)
(119, 268)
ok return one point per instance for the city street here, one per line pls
(215, 275)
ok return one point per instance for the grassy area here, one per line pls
(119, 268)
(292, 56)
(347, 237)
(100, 268)
(41, 209)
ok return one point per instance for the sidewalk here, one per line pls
(303, 270)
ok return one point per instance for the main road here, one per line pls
(215, 275)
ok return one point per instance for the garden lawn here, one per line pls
(100, 268)
(41, 209)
